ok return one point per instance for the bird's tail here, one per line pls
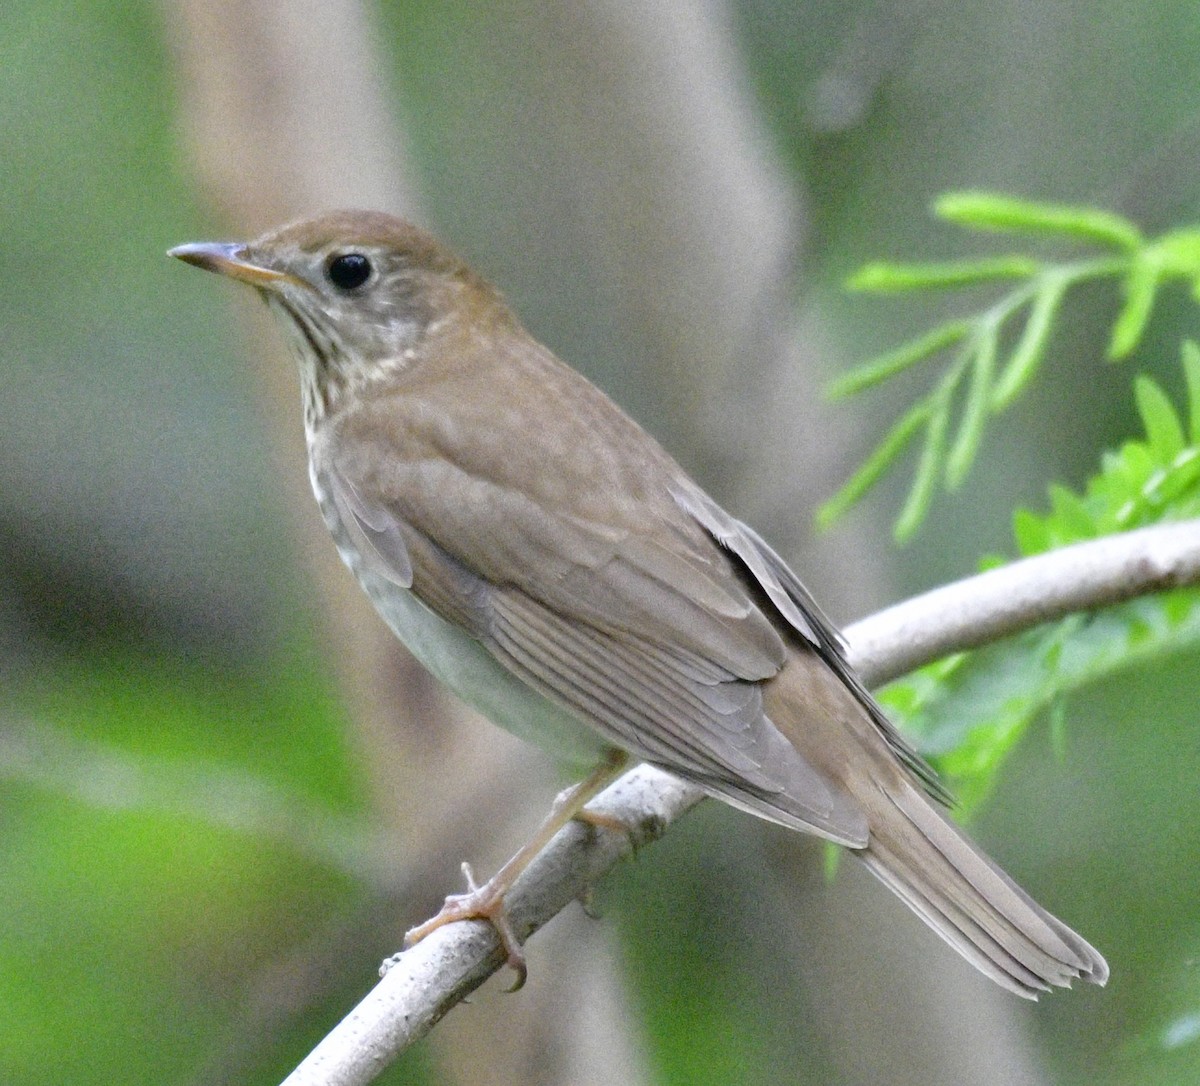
(969, 901)
(906, 840)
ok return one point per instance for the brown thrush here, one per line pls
(545, 558)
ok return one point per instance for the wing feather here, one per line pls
(584, 577)
(796, 605)
(669, 706)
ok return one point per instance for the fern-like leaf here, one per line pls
(972, 345)
(967, 712)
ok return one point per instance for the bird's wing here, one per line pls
(796, 606)
(657, 645)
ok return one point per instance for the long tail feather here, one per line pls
(970, 902)
(914, 849)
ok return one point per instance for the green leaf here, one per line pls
(884, 366)
(1141, 266)
(1140, 286)
(1191, 373)
(974, 762)
(1030, 532)
(1072, 519)
(1178, 252)
(929, 467)
(875, 465)
(1163, 429)
(1137, 463)
(975, 410)
(969, 712)
(833, 860)
(996, 212)
(1180, 606)
(1179, 479)
(1024, 359)
(971, 719)
(884, 277)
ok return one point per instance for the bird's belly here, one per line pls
(467, 668)
(461, 662)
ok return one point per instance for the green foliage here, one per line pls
(995, 354)
(170, 828)
(969, 710)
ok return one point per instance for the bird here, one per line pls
(543, 556)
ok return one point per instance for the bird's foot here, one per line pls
(485, 903)
(603, 822)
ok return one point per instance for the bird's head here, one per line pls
(359, 294)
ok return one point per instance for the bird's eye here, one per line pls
(348, 271)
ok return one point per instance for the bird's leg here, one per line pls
(486, 902)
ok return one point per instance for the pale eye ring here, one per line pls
(348, 271)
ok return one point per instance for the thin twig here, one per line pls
(422, 984)
(1004, 601)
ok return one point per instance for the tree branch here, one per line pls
(422, 984)
(1004, 601)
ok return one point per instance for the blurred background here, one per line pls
(225, 793)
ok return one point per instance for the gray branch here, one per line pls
(422, 984)
(981, 609)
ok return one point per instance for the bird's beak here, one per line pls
(228, 258)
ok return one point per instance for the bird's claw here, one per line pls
(478, 903)
(599, 820)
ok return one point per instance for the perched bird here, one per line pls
(543, 556)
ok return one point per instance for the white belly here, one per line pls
(463, 664)
(467, 668)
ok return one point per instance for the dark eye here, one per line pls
(349, 271)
